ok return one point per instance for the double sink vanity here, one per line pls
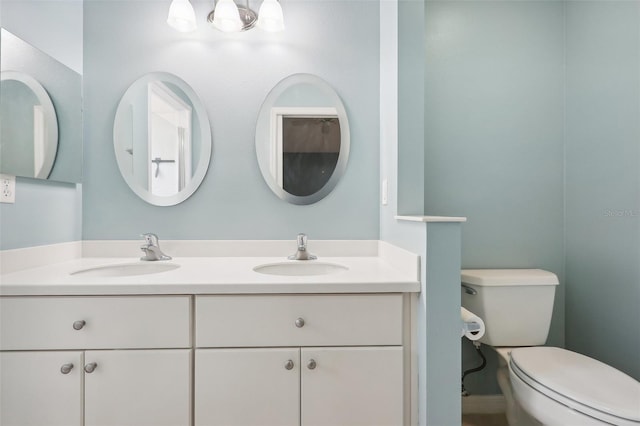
(224, 333)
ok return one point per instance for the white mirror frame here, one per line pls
(265, 133)
(49, 115)
(204, 159)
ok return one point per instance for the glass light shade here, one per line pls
(182, 16)
(226, 16)
(270, 16)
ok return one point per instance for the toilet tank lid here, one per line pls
(508, 277)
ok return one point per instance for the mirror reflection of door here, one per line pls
(306, 148)
(169, 121)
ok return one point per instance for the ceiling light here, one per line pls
(270, 16)
(181, 16)
(227, 16)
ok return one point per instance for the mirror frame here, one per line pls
(51, 133)
(205, 144)
(263, 131)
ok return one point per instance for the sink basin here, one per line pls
(300, 268)
(126, 269)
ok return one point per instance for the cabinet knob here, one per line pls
(311, 365)
(90, 368)
(300, 322)
(77, 325)
(66, 368)
(288, 365)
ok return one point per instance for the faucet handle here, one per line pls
(302, 253)
(302, 241)
(151, 239)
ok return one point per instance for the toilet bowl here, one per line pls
(544, 385)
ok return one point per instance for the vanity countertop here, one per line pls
(381, 273)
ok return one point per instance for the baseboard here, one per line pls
(483, 404)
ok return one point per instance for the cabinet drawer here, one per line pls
(298, 320)
(109, 322)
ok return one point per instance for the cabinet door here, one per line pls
(41, 388)
(247, 387)
(352, 386)
(138, 387)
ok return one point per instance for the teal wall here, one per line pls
(45, 212)
(603, 182)
(531, 131)
(494, 139)
(410, 87)
(232, 74)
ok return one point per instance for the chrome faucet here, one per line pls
(151, 248)
(302, 253)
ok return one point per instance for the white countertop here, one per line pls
(391, 270)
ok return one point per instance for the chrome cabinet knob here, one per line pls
(311, 365)
(90, 368)
(300, 322)
(77, 325)
(288, 365)
(66, 368)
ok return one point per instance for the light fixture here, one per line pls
(227, 16)
(182, 16)
(270, 16)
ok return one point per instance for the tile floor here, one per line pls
(497, 419)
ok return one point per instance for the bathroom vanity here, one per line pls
(211, 341)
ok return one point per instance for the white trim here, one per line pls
(483, 404)
(39, 142)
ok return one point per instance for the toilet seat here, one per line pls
(580, 383)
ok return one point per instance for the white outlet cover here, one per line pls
(7, 189)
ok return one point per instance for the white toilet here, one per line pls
(543, 385)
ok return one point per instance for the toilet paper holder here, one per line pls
(472, 326)
(469, 290)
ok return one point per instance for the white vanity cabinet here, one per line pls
(41, 388)
(299, 360)
(95, 360)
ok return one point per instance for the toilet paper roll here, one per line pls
(472, 325)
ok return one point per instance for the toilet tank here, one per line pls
(515, 304)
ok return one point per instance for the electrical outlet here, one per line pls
(7, 189)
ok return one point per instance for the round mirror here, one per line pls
(28, 127)
(302, 139)
(162, 139)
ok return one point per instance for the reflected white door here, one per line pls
(169, 141)
(164, 179)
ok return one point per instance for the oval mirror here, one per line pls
(162, 139)
(29, 127)
(302, 139)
